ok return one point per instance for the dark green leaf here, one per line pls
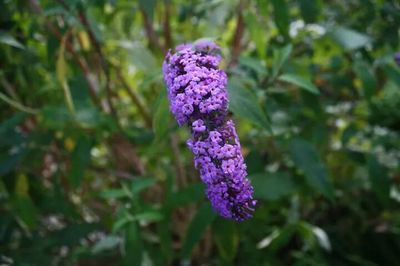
(226, 238)
(140, 183)
(190, 194)
(281, 16)
(380, 182)
(243, 102)
(80, 158)
(162, 117)
(25, 210)
(280, 57)
(350, 39)
(366, 75)
(256, 33)
(114, 194)
(72, 234)
(254, 64)
(310, 10)
(143, 58)
(299, 81)
(10, 40)
(133, 246)
(306, 159)
(272, 186)
(106, 243)
(53, 117)
(262, 5)
(201, 220)
(393, 73)
(148, 216)
(148, 7)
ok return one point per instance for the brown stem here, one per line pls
(10, 89)
(167, 25)
(104, 63)
(79, 60)
(237, 37)
(125, 155)
(151, 34)
(135, 98)
(180, 169)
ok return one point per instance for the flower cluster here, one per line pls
(198, 97)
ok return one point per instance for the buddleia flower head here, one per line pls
(198, 98)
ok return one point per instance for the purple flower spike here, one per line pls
(198, 98)
(397, 58)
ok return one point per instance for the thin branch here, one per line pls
(180, 169)
(167, 25)
(150, 33)
(135, 98)
(17, 105)
(104, 63)
(80, 61)
(237, 37)
(10, 89)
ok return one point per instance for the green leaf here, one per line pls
(280, 57)
(10, 123)
(162, 117)
(366, 75)
(253, 64)
(80, 158)
(190, 194)
(10, 40)
(299, 81)
(272, 186)
(24, 207)
(10, 162)
(106, 243)
(72, 234)
(257, 33)
(262, 5)
(148, 7)
(114, 194)
(226, 238)
(121, 222)
(310, 10)
(10, 137)
(392, 73)
(281, 16)
(133, 246)
(306, 159)
(88, 117)
(379, 178)
(61, 70)
(25, 210)
(349, 39)
(149, 216)
(55, 117)
(322, 237)
(244, 103)
(204, 217)
(140, 183)
(282, 237)
(142, 58)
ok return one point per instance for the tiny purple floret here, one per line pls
(397, 58)
(198, 98)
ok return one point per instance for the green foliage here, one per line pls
(95, 171)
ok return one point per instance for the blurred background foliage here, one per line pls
(95, 171)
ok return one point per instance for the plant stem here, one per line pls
(17, 105)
